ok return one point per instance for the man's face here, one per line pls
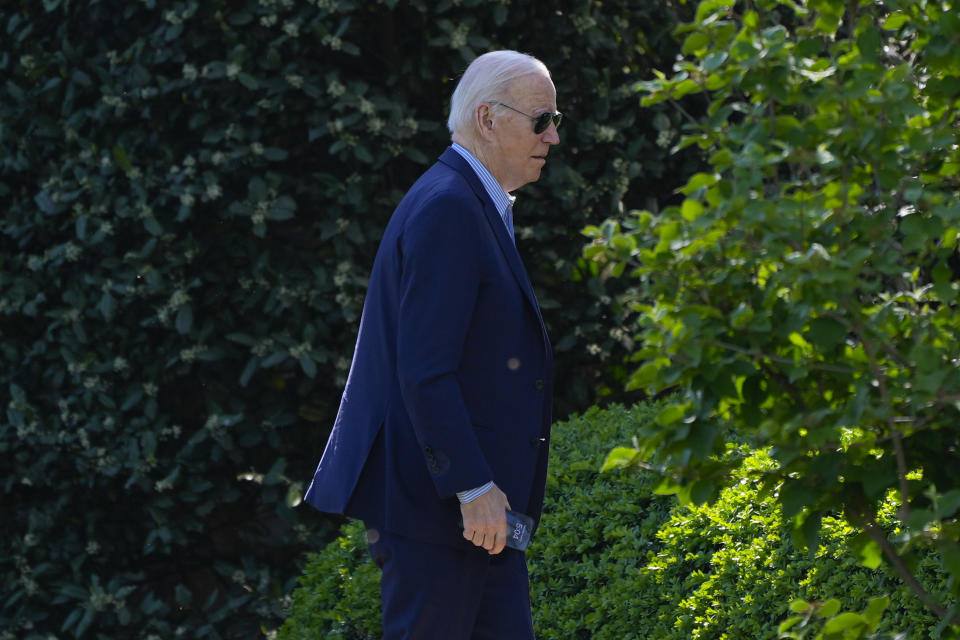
(518, 154)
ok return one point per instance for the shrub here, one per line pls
(192, 196)
(613, 560)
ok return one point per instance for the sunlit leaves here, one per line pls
(819, 247)
(895, 21)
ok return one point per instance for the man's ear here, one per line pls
(484, 120)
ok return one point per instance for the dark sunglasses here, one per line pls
(540, 122)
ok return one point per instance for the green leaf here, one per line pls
(830, 13)
(829, 608)
(710, 10)
(948, 503)
(363, 154)
(248, 81)
(668, 233)
(671, 414)
(818, 75)
(240, 18)
(275, 154)
(76, 592)
(714, 60)
(827, 333)
(184, 320)
(868, 41)
(47, 204)
(867, 551)
(71, 619)
(417, 156)
(950, 556)
(806, 531)
(85, 621)
(799, 606)
(619, 458)
(874, 611)
(667, 487)
(920, 518)
(696, 41)
(844, 621)
(275, 358)
(248, 371)
(309, 366)
(698, 181)
(895, 21)
(121, 158)
(644, 377)
(257, 189)
(107, 305)
(686, 87)
(795, 497)
(701, 491)
(691, 210)
(283, 208)
(152, 226)
(789, 623)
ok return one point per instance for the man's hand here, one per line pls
(485, 520)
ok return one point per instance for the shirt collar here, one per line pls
(501, 199)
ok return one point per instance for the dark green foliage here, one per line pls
(192, 196)
(613, 560)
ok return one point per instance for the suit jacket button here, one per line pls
(538, 385)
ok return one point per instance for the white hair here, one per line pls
(488, 78)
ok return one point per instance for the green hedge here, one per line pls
(192, 196)
(613, 561)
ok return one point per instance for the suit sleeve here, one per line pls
(439, 286)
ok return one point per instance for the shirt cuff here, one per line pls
(473, 494)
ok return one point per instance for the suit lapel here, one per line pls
(453, 159)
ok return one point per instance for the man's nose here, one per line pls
(551, 135)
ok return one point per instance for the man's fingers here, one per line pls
(494, 542)
(499, 543)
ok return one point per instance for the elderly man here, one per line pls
(444, 422)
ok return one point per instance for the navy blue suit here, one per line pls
(450, 385)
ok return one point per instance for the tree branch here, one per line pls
(753, 353)
(904, 511)
(786, 384)
(866, 520)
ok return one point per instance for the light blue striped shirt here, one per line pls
(502, 201)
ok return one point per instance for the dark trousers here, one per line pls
(434, 592)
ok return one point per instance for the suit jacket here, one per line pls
(450, 385)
